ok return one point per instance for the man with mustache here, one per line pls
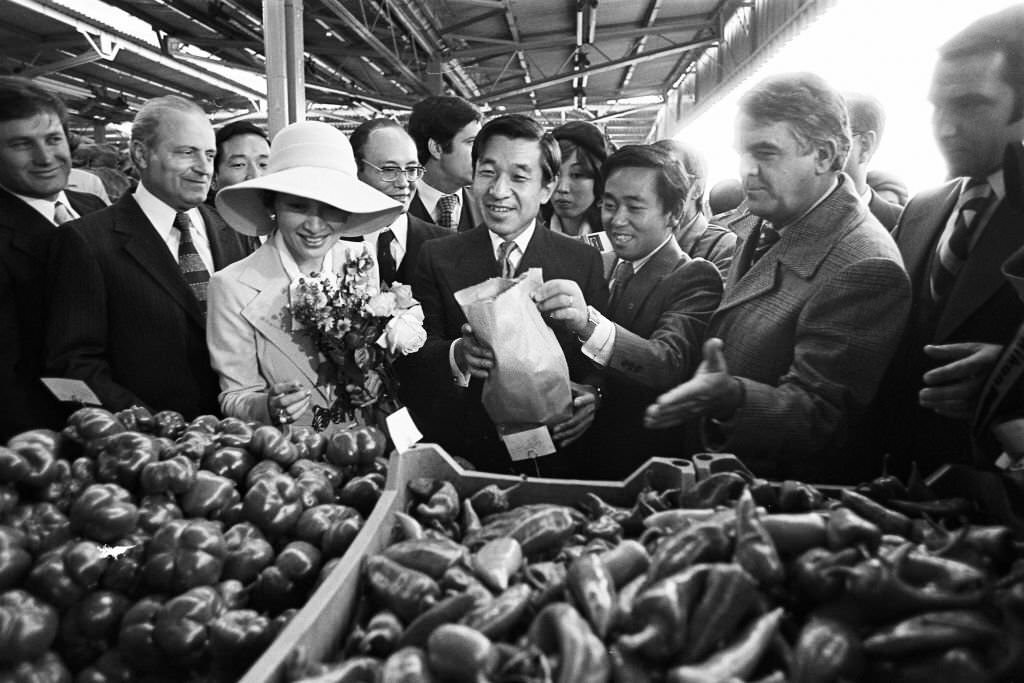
(815, 300)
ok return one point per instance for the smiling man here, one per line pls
(515, 164)
(34, 164)
(815, 301)
(129, 282)
(660, 302)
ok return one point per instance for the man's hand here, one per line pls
(584, 407)
(711, 392)
(563, 302)
(952, 390)
(472, 355)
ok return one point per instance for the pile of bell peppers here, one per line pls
(734, 579)
(137, 545)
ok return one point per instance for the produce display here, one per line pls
(731, 579)
(138, 546)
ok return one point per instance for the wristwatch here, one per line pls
(593, 318)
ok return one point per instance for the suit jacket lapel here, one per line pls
(141, 240)
(632, 299)
(476, 263)
(266, 312)
(980, 279)
(30, 231)
(918, 245)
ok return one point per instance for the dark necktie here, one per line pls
(767, 236)
(446, 211)
(952, 253)
(192, 267)
(621, 276)
(505, 251)
(61, 214)
(385, 259)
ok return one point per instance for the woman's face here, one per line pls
(574, 191)
(309, 228)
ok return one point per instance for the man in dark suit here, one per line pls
(867, 123)
(953, 240)
(386, 157)
(515, 164)
(661, 301)
(444, 128)
(34, 163)
(815, 301)
(129, 282)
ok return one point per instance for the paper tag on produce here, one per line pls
(71, 391)
(528, 443)
(403, 431)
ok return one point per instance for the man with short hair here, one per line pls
(243, 152)
(34, 163)
(386, 157)
(867, 123)
(954, 240)
(130, 281)
(444, 128)
(515, 164)
(814, 304)
(660, 302)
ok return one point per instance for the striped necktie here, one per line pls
(767, 236)
(505, 252)
(446, 211)
(623, 273)
(192, 267)
(955, 246)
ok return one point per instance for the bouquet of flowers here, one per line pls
(360, 331)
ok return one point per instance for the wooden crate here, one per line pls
(321, 624)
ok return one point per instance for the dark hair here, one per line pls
(592, 148)
(233, 130)
(519, 127)
(362, 133)
(439, 118)
(671, 185)
(813, 109)
(1001, 32)
(691, 163)
(866, 113)
(725, 195)
(20, 98)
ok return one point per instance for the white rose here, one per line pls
(404, 334)
(381, 305)
(403, 295)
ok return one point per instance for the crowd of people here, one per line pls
(818, 329)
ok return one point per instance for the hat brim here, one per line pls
(241, 205)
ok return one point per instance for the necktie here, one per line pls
(505, 252)
(61, 214)
(621, 276)
(192, 268)
(767, 236)
(952, 252)
(446, 211)
(385, 259)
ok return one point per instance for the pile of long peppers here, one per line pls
(735, 579)
(139, 546)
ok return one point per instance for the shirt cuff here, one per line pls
(461, 379)
(601, 343)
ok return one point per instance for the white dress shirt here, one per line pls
(998, 184)
(430, 195)
(47, 207)
(161, 216)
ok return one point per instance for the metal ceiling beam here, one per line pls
(476, 19)
(61, 65)
(600, 68)
(641, 42)
(355, 25)
(553, 40)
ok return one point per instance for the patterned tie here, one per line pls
(61, 214)
(952, 252)
(767, 236)
(621, 276)
(505, 252)
(192, 268)
(446, 211)
(385, 259)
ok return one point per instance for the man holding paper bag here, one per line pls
(515, 163)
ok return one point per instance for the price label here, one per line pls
(71, 391)
(403, 431)
(528, 443)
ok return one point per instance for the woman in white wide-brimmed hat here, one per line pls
(307, 200)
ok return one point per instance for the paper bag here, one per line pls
(530, 381)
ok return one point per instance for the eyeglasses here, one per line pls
(389, 174)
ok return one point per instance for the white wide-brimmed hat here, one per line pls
(314, 160)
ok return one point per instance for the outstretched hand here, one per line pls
(711, 392)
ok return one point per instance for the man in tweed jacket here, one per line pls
(815, 301)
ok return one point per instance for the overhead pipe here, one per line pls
(461, 81)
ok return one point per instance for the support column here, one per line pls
(283, 47)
